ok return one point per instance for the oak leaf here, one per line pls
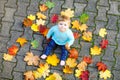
(69, 13)
(7, 57)
(40, 15)
(21, 40)
(101, 66)
(95, 50)
(12, 50)
(29, 75)
(106, 74)
(102, 32)
(67, 70)
(27, 22)
(31, 17)
(87, 36)
(71, 62)
(43, 7)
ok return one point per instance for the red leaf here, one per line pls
(87, 59)
(85, 75)
(12, 50)
(73, 53)
(104, 43)
(42, 28)
(101, 66)
(54, 18)
(76, 35)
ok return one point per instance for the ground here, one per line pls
(103, 13)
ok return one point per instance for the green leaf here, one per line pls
(35, 44)
(84, 18)
(50, 4)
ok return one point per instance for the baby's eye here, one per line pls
(61, 24)
(65, 25)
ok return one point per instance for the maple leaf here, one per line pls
(78, 73)
(101, 66)
(29, 75)
(73, 53)
(40, 22)
(76, 24)
(104, 43)
(69, 13)
(84, 18)
(34, 27)
(54, 76)
(53, 60)
(31, 59)
(40, 15)
(54, 18)
(27, 22)
(43, 7)
(35, 44)
(95, 50)
(7, 57)
(87, 36)
(82, 66)
(87, 59)
(43, 30)
(67, 70)
(76, 35)
(102, 32)
(21, 40)
(85, 75)
(83, 27)
(105, 74)
(50, 4)
(31, 17)
(36, 74)
(44, 70)
(13, 50)
(51, 77)
(71, 62)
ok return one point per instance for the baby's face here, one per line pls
(63, 26)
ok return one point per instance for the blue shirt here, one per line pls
(61, 38)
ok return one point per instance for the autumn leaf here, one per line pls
(58, 77)
(40, 22)
(12, 50)
(43, 30)
(31, 17)
(78, 73)
(95, 50)
(73, 53)
(35, 44)
(87, 59)
(54, 18)
(29, 75)
(83, 27)
(21, 40)
(50, 4)
(67, 70)
(101, 66)
(51, 77)
(87, 36)
(43, 7)
(54, 76)
(37, 75)
(105, 74)
(76, 24)
(71, 62)
(53, 60)
(102, 32)
(44, 70)
(7, 57)
(34, 27)
(40, 15)
(27, 22)
(104, 43)
(84, 18)
(31, 59)
(69, 13)
(85, 75)
(82, 66)
(76, 35)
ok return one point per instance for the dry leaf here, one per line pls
(87, 59)
(40, 22)
(85, 75)
(69, 13)
(53, 60)
(78, 73)
(101, 66)
(31, 59)
(106, 74)
(37, 75)
(13, 50)
(29, 75)
(82, 66)
(76, 35)
(67, 70)
(40, 15)
(31, 17)
(87, 36)
(27, 22)
(34, 27)
(54, 18)
(54, 76)
(71, 62)
(104, 43)
(7, 57)
(83, 27)
(95, 50)
(43, 30)
(21, 40)
(76, 24)
(102, 32)
(43, 7)
(73, 53)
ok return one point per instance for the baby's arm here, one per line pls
(50, 32)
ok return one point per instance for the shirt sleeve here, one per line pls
(50, 32)
(71, 38)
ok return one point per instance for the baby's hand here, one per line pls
(67, 46)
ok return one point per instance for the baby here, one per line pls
(61, 36)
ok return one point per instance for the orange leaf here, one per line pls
(43, 30)
(29, 75)
(22, 41)
(67, 69)
(76, 35)
(43, 7)
(13, 50)
(87, 59)
(73, 53)
(101, 66)
(27, 22)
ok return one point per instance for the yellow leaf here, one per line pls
(83, 27)
(68, 13)
(21, 40)
(53, 60)
(57, 76)
(29, 75)
(78, 73)
(102, 32)
(71, 62)
(43, 7)
(40, 22)
(7, 57)
(40, 15)
(31, 59)
(34, 27)
(31, 17)
(51, 77)
(36, 74)
(82, 66)
(87, 36)
(76, 24)
(68, 70)
(106, 74)
(95, 50)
